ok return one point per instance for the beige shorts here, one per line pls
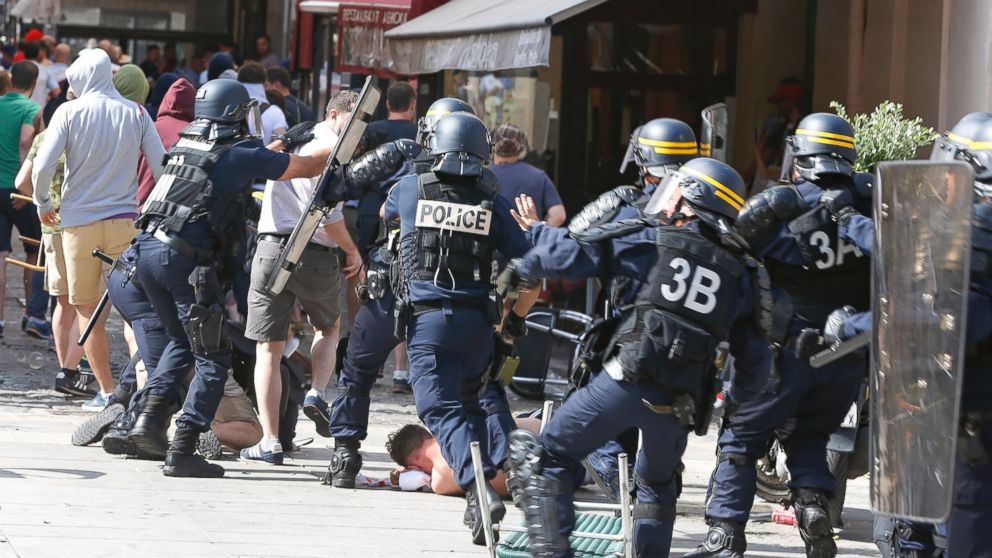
(83, 271)
(55, 282)
(235, 406)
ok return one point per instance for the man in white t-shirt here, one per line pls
(46, 87)
(252, 75)
(316, 285)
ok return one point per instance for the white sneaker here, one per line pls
(97, 404)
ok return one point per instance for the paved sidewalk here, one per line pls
(57, 500)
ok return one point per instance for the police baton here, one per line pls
(100, 306)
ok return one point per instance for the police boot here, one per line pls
(473, 513)
(725, 539)
(150, 431)
(345, 464)
(814, 523)
(182, 461)
(538, 498)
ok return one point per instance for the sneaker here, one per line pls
(97, 404)
(93, 429)
(71, 382)
(24, 322)
(401, 381)
(84, 366)
(208, 446)
(39, 329)
(256, 453)
(51, 343)
(1, 330)
(315, 409)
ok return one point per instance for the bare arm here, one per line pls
(556, 216)
(23, 179)
(338, 232)
(306, 166)
(24, 145)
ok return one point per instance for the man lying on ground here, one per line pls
(415, 449)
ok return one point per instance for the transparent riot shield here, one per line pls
(920, 282)
(713, 139)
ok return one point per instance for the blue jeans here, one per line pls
(149, 332)
(37, 304)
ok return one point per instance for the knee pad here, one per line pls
(813, 520)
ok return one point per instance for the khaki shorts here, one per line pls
(55, 282)
(235, 406)
(83, 272)
(316, 284)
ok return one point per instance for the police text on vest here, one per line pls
(470, 219)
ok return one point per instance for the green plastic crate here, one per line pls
(515, 545)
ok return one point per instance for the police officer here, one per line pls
(814, 270)
(192, 225)
(695, 291)
(965, 532)
(660, 147)
(372, 336)
(451, 222)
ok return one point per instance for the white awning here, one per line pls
(480, 35)
(37, 9)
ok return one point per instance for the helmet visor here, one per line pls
(254, 119)
(666, 196)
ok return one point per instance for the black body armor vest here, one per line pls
(680, 315)
(185, 193)
(452, 240)
(837, 273)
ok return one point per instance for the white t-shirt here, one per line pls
(46, 84)
(286, 200)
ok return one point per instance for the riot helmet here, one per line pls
(660, 146)
(225, 103)
(970, 140)
(437, 110)
(704, 187)
(822, 145)
(461, 145)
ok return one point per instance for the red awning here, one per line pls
(361, 26)
(301, 41)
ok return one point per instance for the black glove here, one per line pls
(833, 330)
(296, 136)
(840, 204)
(334, 187)
(514, 326)
(809, 342)
(510, 281)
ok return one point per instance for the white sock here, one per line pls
(270, 444)
(401, 375)
(317, 393)
(104, 394)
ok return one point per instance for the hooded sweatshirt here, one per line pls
(175, 112)
(101, 134)
(131, 83)
(157, 95)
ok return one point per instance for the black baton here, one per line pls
(840, 350)
(100, 306)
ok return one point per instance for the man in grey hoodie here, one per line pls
(101, 134)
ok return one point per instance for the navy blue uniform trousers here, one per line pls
(600, 412)
(164, 276)
(448, 349)
(803, 406)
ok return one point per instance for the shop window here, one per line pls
(671, 50)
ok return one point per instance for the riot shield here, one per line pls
(348, 141)
(920, 282)
(628, 156)
(713, 139)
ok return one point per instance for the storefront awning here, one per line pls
(480, 35)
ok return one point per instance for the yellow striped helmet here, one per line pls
(970, 140)
(663, 142)
(823, 144)
(712, 188)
